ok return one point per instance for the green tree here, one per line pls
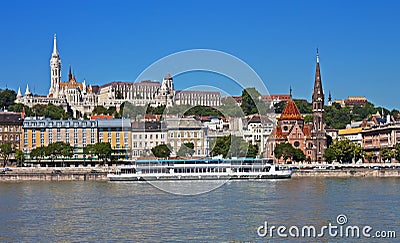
(7, 98)
(5, 152)
(284, 150)
(233, 146)
(368, 156)
(330, 154)
(252, 151)
(187, 149)
(396, 152)
(103, 151)
(89, 150)
(344, 150)
(100, 110)
(386, 154)
(249, 98)
(298, 155)
(161, 151)
(38, 153)
(19, 157)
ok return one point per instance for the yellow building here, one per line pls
(39, 132)
(118, 133)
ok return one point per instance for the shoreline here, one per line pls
(100, 174)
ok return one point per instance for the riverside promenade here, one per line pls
(100, 173)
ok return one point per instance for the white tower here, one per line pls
(55, 71)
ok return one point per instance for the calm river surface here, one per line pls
(139, 212)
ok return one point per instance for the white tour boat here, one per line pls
(204, 169)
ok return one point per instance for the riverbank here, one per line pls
(55, 174)
(100, 173)
(357, 172)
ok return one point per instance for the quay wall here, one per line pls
(347, 173)
(84, 174)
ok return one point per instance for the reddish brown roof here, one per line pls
(291, 112)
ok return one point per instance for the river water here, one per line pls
(234, 212)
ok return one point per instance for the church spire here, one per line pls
(70, 73)
(55, 51)
(318, 130)
(318, 91)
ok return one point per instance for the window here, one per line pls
(296, 144)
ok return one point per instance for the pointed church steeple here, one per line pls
(70, 73)
(318, 130)
(55, 51)
(318, 91)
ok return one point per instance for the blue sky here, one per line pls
(116, 40)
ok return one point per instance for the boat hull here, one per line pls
(176, 177)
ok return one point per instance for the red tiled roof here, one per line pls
(291, 112)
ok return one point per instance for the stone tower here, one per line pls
(318, 130)
(55, 71)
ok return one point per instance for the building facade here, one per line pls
(117, 132)
(376, 138)
(39, 132)
(147, 135)
(258, 131)
(187, 130)
(11, 128)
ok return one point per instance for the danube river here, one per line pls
(235, 212)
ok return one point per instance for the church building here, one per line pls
(310, 138)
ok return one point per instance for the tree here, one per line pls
(161, 151)
(187, 149)
(298, 155)
(285, 151)
(252, 151)
(89, 150)
(5, 152)
(396, 153)
(38, 153)
(100, 110)
(233, 146)
(386, 154)
(330, 155)
(103, 150)
(249, 98)
(7, 98)
(368, 156)
(344, 150)
(19, 157)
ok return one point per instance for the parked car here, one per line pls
(57, 172)
(94, 171)
(7, 169)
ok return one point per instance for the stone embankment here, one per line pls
(54, 174)
(346, 172)
(100, 173)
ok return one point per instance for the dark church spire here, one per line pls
(318, 91)
(318, 131)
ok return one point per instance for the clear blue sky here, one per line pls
(359, 42)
